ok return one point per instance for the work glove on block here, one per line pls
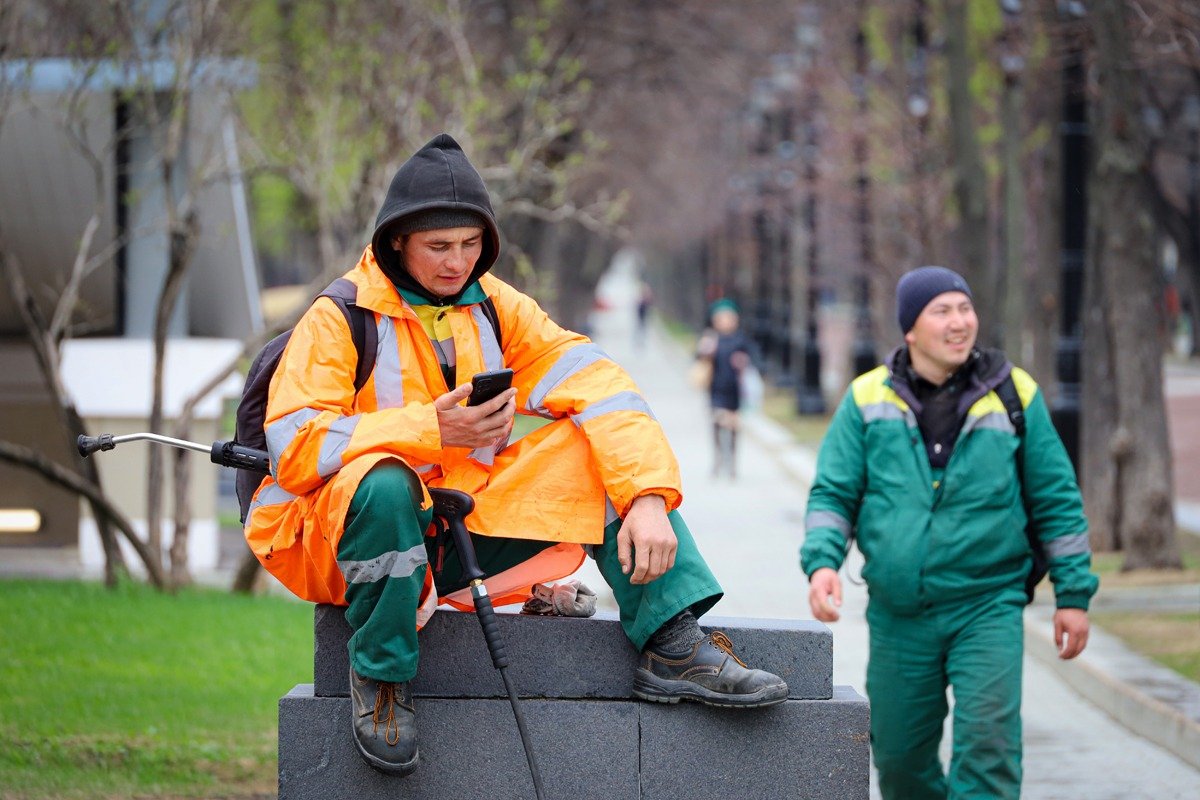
(567, 599)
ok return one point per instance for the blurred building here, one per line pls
(54, 112)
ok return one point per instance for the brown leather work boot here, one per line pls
(385, 724)
(709, 674)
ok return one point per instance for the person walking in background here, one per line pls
(645, 304)
(926, 468)
(728, 353)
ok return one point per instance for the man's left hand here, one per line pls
(1070, 631)
(646, 541)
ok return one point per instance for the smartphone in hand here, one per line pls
(486, 385)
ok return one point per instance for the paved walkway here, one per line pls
(750, 531)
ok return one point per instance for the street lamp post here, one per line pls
(918, 106)
(759, 324)
(810, 399)
(786, 84)
(864, 343)
(1074, 140)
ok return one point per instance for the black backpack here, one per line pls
(252, 408)
(1007, 392)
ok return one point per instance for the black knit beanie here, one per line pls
(432, 219)
(916, 288)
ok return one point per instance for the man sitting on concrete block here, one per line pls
(345, 516)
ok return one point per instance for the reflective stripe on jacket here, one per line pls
(927, 544)
(561, 483)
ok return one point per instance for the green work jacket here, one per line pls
(926, 541)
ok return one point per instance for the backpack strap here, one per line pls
(344, 293)
(1007, 392)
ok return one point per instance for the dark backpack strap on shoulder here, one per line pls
(344, 293)
(1007, 392)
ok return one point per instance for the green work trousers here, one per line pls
(385, 554)
(975, 647)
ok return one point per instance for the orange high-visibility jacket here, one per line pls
(562, 483)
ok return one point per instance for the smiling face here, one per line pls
(943, 336)
(441, 260)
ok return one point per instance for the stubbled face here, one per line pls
(943, 336)
(441, 260)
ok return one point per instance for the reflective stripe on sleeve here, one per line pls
(621, 401)
(337, 438)
(568, 364)
(272, 495)
(1071, 545)
(281, 432)
(827, 519)
(389, 385)
(393, 564)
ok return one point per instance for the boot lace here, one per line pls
(386, 699)
(721, 642)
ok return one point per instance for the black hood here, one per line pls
(436, 176)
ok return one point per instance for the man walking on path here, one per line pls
(1072, 749)
(923, 464)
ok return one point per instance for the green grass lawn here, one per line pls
(1173, 640)
(133, 693)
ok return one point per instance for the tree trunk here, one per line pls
(180, 572)
(46, 351)
(970, 179)
(1122, 266)
(183, 232)
(248, 573)
(1099, 474)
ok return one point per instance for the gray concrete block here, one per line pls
(560, 657)
(811, 749)
(605, 749)
(469, 748)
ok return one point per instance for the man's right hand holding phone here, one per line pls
(475, 426)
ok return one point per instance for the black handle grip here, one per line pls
(232, 454)
(491, 630)
(454, 506)
(90, 444)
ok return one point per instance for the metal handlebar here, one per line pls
(225, 454)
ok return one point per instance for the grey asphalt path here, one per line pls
(750, 531)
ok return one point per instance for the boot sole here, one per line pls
(657, 690)
(388, 767)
